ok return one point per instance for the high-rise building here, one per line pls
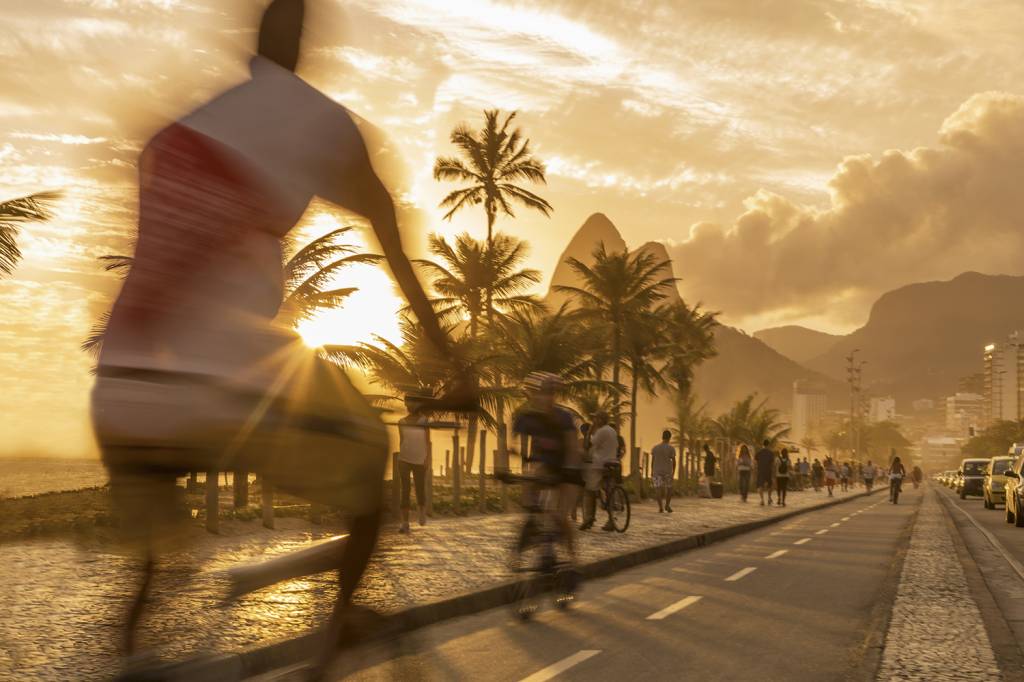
(881, 409)
(1003, 380)
(809, 405)
(965, 412)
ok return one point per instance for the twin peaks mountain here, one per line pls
(744, 364)
(920, 339)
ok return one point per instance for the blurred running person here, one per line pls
(917, 476)
(744, 463)
(663, 469)
(194, 375)
(765, 460)
(554, 458)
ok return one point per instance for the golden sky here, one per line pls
(798, 157)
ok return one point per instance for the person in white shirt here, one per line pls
(413, 450)
(604, 450)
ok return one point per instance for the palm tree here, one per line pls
(688, 422)
(495, 160)
(479, 281)
(643, 342)
(834, 441)
(14, 213)
(689, 341)
(617, 289)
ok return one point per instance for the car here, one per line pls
(995, 481)
(970, 477)
(1014, 493)
(954, 476)
(948, 477)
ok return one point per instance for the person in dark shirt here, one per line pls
(764, 459)
(709, 461)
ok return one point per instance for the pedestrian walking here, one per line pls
(782, 471)
(744, 463)
(844, 476)
(817, 475)
(663, 469)
(413, 447)
(868, 474)
(804, 474)
(765, 460)
(830, 475)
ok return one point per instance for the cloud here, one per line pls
(906, 216)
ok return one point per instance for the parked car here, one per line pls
(954, 477)
(1014, 493)
(995, 481)
(948, 477)
(971, 477)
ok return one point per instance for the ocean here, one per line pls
(32, 476)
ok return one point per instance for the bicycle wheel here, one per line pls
(618, 508)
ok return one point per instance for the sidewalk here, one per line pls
(66, 601)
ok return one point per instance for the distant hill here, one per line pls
(744, 364)
(921, 338)
(797, 343)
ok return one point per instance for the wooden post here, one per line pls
(496, 455)
(212, 501)
(638, 475)
(430, 483)
(267, 502)
(396, 487)
(456, 473)
(483, 464)
(240, 487)
(447, 465)
(193, 481)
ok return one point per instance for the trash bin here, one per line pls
(717, 489)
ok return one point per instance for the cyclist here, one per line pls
(896, 473)
(604, 462)
(554, 461)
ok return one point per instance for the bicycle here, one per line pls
(537, 553)
(895, 484)
(613, 498)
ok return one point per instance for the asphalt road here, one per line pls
(800, 601)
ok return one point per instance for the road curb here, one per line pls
(281, 653)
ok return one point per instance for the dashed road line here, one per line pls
(822, 531)
(802, 541)
(835, 525)
(740, 574)
(846, 518)
(777, 554)
(673, 608)
(556, 669)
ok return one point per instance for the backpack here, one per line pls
(783, 466)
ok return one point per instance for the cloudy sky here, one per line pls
(798, 157)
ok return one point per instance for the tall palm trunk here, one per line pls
(634, 456)
(471, 426)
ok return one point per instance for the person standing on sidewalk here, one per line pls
(782, 470)
(604, 449)
(663, 469)
(765, 459)
(868, 472)
(413, 447)
(709, 462)
(744, 463)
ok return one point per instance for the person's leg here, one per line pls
(668, 496)
(404, 471)
(419, 476)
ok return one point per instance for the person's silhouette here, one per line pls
(193, 374)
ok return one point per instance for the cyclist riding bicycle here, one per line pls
(553, 462)
(896, 473)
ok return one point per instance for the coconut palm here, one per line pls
(13, 214)
(643, 345)
(478, 281)
(616, 290)
(689, 423)
(495, 159)
(689, 340)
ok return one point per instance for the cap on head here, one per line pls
(281, 32)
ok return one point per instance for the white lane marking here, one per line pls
(835, 525)
(740, 574)
(846, 518)
(556, 669)
(777, 554)
(822, 531)
(669, 610)
(802, 541)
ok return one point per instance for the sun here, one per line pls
(370, 312)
